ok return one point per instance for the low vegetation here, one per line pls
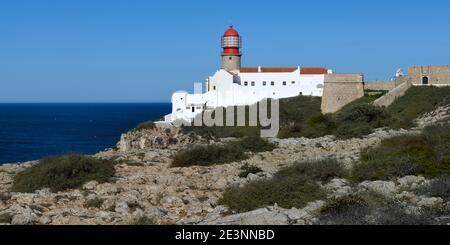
(370, 209)
(247, 169)
(416, 102)
(439, 187)
(208, 155)
(231, 151)
(356, 120)
(148, 125)
(291, 187)
(144, 221)
(62, 173)
(426, 154)
(301, 116)
(94, 203)
(5, 218)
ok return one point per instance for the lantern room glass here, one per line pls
(231, 42)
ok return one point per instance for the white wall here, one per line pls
(231, 90)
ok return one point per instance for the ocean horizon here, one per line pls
(32, 131)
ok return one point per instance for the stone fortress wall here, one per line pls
(380, 85)
(342, 89)
(429, 75)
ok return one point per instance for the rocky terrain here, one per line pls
(146, 186)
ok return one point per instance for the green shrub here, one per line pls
(4, 196)
(247, 169)
(62, 173)
(94, 203)
(5, 218)
(254, 144)
(346, 210)
(359, 120)
(295, 191)
(145, 125)
(416, 102)
(439, 137)
(323, 170)
(426, 154)
(231, 151)
(343, 204)
(370, 209)
(144, 221)
(290, 187)
(439, 187)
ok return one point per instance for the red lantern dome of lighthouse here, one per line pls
(231, 32)
(231, 42)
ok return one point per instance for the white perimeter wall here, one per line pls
(229, 92)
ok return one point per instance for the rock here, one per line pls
(305, 216)
(122, 207)
(410, 182)
(222, 183)
(386, 188)
(90, 185)
(408, 197)
(338, 187)
(106, 188)
(172, 200)
(104, 215)
(252, 177)
(23, 198)
(25, 217)
(430, 201)
(261, 216)
(45, 220)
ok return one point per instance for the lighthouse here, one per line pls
(231, 54)
(233, 85)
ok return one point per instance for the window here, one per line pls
(214, 88)
(272, 83)
(188, 108)
(301, 93)
(231, 58)
(253, 84)
(245, 83)
(319, 86)
(264, 83)
(199, 107)
(284, 83)
(293, 82)
(193, 109)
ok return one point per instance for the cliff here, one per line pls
(146, 188)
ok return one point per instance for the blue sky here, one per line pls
(142, 51)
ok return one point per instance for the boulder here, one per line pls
(386, 188)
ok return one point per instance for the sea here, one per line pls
(35, 131)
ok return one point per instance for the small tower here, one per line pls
(231, 55)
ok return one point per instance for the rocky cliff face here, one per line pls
(160, 137)
(146, 185)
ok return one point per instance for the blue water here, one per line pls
(33, 131)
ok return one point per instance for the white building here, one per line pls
(233, 85)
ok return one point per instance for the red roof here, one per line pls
(314, 71)
(267, 69)
(231, 32)
(303, 71)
